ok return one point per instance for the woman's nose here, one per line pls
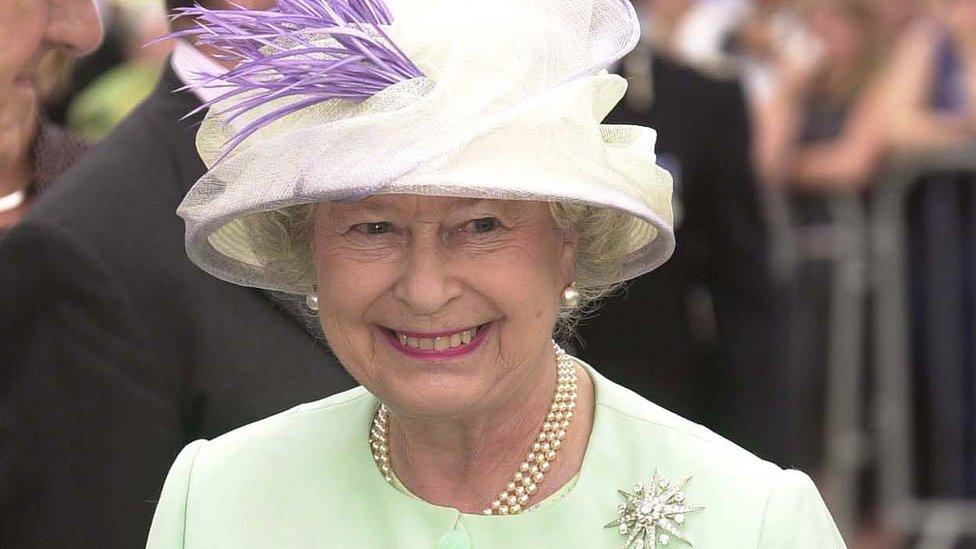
(428, 282)
(74, 25)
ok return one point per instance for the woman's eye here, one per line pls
(373, 227)
(483, 225)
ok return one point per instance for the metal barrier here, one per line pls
(845, 440)
(840, 242)
(938, 522)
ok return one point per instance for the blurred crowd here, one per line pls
(767, 112)
(842, 95)
(836, 87)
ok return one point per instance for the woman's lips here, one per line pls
(438, 341)
(437, 346)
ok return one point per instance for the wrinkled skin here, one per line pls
(429, 264)
(29, 31)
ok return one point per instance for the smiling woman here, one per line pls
(446, 212)
(440, 267)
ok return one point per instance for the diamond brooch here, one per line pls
(653, 514)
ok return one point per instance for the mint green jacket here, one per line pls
(305, 478)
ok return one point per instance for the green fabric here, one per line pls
(110, 98)
(455, 539)
(305, 478)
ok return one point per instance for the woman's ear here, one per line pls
(567, 256)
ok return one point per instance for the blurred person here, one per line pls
(770, 29)
(116, 350)
(819, 129)
(930, 81)
(819, 137)
(691, 336)
(931, 94)
(35, 36)
(88, 68)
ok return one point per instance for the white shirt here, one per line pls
(702, 32)
(193, 66)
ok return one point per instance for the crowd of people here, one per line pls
(116, 351)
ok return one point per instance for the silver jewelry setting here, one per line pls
(312, 300)
(653, 514)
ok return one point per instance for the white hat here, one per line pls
(508, 104)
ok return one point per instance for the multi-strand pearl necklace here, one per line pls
(531, 472)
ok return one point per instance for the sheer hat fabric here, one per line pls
(509, 106)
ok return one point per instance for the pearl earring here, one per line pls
(570, 297)
(312, 300)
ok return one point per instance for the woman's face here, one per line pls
(442, 307)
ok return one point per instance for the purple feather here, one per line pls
(281, 53)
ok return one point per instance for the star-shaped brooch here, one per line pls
(653, 514)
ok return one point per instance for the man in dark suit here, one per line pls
(695, 335)
(115, 350)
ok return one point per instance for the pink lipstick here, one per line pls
(424, 345)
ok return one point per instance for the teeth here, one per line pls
(438, 343)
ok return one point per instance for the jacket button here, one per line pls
(455, 539)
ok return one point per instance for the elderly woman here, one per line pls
(434, 178)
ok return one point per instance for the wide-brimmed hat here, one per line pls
(335, 100)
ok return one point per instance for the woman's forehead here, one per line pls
(416, 204)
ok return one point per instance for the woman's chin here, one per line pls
(435, 398)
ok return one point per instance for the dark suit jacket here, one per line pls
(115, 350)
(694, 335)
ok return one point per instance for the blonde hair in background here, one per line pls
(863, 15)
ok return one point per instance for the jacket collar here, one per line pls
(169, 106)
(169, 113)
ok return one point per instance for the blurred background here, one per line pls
(862, 141)
(91, 95)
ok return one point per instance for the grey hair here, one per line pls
(282, 241)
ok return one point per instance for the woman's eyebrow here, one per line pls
(474, 203)
(380, 208)
(344, 211)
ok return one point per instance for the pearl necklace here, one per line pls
(12, 201)
(531, 472)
